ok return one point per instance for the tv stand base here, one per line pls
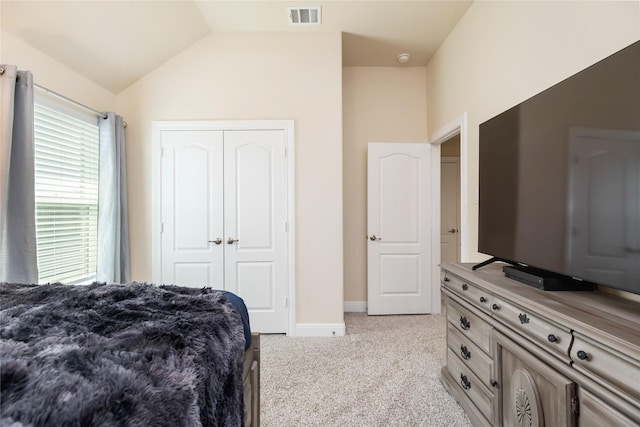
(491, 261)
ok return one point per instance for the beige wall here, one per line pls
(53, 75)
(246, 77)
(380, 104)
(502, 53)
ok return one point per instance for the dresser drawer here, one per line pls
(470, 354)
(470, 325)
(467, 290)
(550, 336)
(480, 395)
(621, 371)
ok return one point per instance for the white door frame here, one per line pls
(287, 126)
(453, 128)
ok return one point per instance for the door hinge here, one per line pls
(161, 151)
(285, 152)
(286, 226)
(575, 408)
(286, 302)
(162, 227)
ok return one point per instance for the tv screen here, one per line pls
(560, 177)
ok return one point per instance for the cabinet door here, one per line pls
(531, 393)
(596, 413)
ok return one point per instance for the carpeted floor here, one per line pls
(384, 372)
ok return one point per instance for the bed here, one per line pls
(126, 355)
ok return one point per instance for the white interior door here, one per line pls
(450, 209)
(192, 215)
(256, 224)
(399, 246)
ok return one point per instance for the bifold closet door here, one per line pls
(192, 208)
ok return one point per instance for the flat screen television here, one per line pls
(559, 177)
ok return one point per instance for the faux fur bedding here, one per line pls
(119, 355)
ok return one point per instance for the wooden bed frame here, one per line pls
(251, 382)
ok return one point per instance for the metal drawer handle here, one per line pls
(464, 323)
(464, 352)
(553, 338)
(494, 383)
(464, 382)
(583, 355)
(446, 279)
(523, 318)
(495, 307)
(465, 287)
(483, 299)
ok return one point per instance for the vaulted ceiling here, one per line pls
(114, 43)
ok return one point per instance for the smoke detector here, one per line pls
(304, 15)
(403, 58)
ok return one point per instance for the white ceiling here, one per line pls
(114, 43)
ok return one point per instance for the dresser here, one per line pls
(519, 356)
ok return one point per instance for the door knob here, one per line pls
(373, 238)
(217, 241)
(231, 241)
(453, 231)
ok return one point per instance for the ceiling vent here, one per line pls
(304, 15)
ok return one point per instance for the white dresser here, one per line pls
(519, 356)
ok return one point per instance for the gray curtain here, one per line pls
(18, 255)
(113, 228)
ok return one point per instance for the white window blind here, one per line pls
(66, 185)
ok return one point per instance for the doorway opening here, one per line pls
(449, 141)
(450, 200)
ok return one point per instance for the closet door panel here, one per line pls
(192, 215)
(255, 223)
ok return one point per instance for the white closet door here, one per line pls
(192, 197)
(255, 224)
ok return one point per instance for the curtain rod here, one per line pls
(64, 98)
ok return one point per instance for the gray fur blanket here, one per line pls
(119, 355)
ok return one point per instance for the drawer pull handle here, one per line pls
(464, 382)
(523, 318)
(495, 307)
(464, 323)
(464, 352)
(446, 279)
(465, 287)
(494, 383)
(553, 338)
(483, 299)
(582, 355)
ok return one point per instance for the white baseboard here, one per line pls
(320, 329)
(355, 306)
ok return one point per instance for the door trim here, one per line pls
(455, 127)
(158, 126)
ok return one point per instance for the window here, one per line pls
(66, 187)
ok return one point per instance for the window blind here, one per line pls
(66, 190)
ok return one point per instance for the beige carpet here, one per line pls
(384, 372)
